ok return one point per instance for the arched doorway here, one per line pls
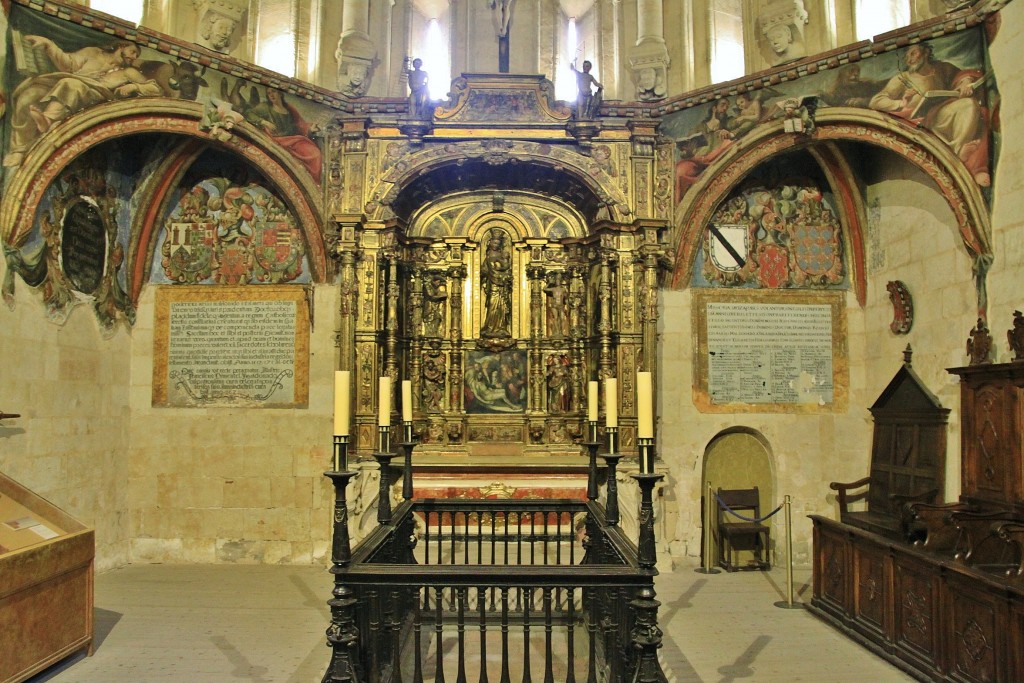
(738, 458)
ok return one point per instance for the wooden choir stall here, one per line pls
(942, 594)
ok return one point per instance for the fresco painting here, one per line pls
(223, 233)
(77, 253)
(773, 237)
(59, 71)
(942, 86)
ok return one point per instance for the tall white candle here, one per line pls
(406, 400)
(611, 402)
(644, 406)
(341, 404)
(384, 402)
(592, 401)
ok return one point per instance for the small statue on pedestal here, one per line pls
(1016, 337)
(979, 344)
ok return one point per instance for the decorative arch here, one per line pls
(583, 183)
(916, 145)
(103, 123)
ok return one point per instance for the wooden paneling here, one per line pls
(923, 611)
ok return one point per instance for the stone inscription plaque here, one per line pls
(771, 354)
(231, 346)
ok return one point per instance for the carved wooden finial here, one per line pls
(1015, 336)
(979, 344)
(907, 353)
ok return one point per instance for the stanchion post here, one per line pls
(788, 603)
(709, 507)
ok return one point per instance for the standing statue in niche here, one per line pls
(587, 100)
(558, 313)
(559, 387)
(496, 283)
(435, 293)
(419, 92)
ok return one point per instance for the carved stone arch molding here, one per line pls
(916, 145)
(71, 138)
(437, 170)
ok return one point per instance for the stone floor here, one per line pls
(211, 624)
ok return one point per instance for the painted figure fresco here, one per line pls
(79, 79)
(272, 114)
(495, 382)
(941, 97)
(226, 234)
(940, 86)
(786, 235)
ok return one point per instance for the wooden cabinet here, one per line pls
(992, 410)
(46, 583)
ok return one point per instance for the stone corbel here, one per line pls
(356, 55)
(650, 73)
(218, 21)
(781, 26)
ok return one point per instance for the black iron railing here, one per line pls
(494, 589)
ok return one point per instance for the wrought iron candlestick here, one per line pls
(613, 439)
(342, 634)
(646, 635)
(408, 443)
(647, 554)
(611, 507)
(341, 452)
(383, 458)
(592, 444)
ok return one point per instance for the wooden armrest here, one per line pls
(842, 489)
(1013, 533)
(840, 486)
(977, 528)
(939, 531)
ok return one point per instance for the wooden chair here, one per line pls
(908, 458)
(737, 534)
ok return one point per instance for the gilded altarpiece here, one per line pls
(499, 269)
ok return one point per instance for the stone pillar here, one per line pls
(356, 51)
(648, 59)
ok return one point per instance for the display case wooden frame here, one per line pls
(46, 585)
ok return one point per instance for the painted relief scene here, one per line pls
(941, 86)
(773, 236)
(55, 72)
